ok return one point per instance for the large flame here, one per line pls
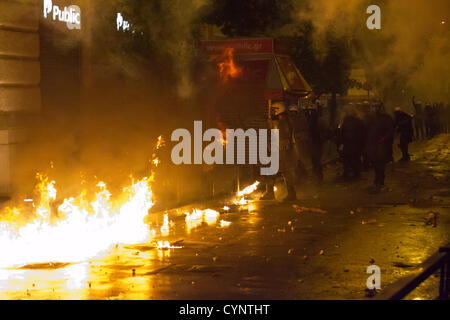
(82, 230)
(78, 229)
(227, 67)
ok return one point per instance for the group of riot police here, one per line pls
(364, 140)
(430, 119)
(301, 138)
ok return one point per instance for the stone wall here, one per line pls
(19, 78)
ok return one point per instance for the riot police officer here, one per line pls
(352, 137)
(403, 126)
(280, 121)
(419, 119)
(379, 140)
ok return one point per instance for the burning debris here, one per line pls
(241, 195)
(432, 219)
(300, 209)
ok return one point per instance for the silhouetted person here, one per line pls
(308, 140)
(315, 142)
(380, 135)
(351, 135)
(403, 126)
(299, 124)
(419, 119)
(280, 121)
(429, 118)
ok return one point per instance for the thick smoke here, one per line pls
(130, 87)
(171, 26)
(408, 56)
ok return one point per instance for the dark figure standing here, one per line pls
(403, 126)
(280, 120)
(380, 134)
(352, 136)
(419, 119)
(315, 141)
(429, 121)
(308, 140)
(299, 124)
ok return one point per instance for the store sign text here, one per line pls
(71, 14)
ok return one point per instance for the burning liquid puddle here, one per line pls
(90, 231)
(83, 229)
(101, 246)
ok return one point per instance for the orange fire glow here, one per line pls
(227, 67)
(77, 228)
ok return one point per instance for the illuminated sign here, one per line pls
(70, 15)
(122, 24)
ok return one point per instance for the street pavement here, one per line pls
(274, 250)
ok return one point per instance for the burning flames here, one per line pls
(227, 67)
(79, 228)
(197, 217)
(82, 229)
(240, 196)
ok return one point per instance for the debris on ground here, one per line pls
(299, 209)
(402, 265)
(370, 293)
(432, 218)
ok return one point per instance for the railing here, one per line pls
(439, 260)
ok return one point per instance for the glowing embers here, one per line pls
(227, 66)
(77, 229)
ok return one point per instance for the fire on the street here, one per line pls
(81, 229)
(240, 196)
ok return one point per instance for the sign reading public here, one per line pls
(71, 15)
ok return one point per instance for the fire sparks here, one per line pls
(160, 143)
(227, 67)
